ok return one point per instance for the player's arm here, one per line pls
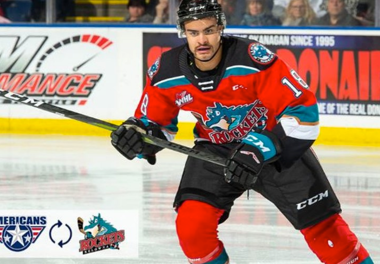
(155, 116)
(127, 139)
(281, 91)
(296, 112)
(296, 135)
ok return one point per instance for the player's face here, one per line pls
(203, 37)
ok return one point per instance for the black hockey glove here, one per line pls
(246, 161)
(127, 139)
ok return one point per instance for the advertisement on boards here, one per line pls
(88, 70)
(51, 67)
(342, 70)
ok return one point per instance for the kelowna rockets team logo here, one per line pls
(234, 122)
(99, 235)
(17, 233)
(260, 54)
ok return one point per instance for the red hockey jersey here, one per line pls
(251, 88)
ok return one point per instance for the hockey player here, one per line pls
(255, 111)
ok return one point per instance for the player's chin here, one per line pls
(204, 56)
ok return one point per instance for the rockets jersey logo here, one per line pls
(260, 54)
(234, 122)
(225, 118)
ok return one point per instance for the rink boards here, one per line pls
(99, 71)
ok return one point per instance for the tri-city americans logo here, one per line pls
(17, 233)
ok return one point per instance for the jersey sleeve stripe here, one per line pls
(302, 123)
(239, 70)
(170, 82)
(169, 131)
(305, 114)
(294, 129)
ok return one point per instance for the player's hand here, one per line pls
(246, 161)
(127, 139)
(244, 164)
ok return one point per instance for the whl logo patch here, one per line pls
(17, 233)
(99, 235)
(183, 98)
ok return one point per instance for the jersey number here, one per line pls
(144, 105)
(297, 93)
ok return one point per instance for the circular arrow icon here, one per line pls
(59, 224)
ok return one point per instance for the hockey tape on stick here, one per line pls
(109, 126)
(80, 225)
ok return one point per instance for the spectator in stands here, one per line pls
(137, 12)
(299, 13)
(231, 9)
(162, 12)
(280, 6)
(259, 14)
(17, 10)
(337, 15)
(365, 12)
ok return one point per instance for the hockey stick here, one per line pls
(106, 125)
(80, 225)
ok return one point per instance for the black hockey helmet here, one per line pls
(197, 9)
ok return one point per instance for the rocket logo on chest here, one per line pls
(234, 122)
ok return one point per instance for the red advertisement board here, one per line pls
(342, 70)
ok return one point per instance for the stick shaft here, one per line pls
(109, 126)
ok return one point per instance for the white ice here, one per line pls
(80, 173)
